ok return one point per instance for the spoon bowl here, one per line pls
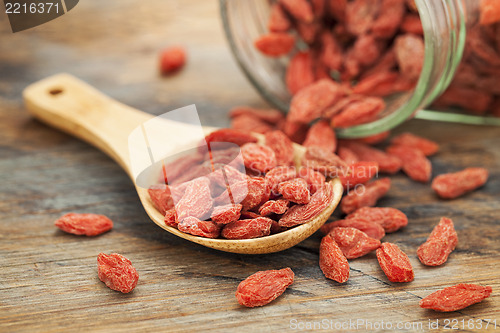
(70, 105)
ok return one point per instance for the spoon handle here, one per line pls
(73, 106)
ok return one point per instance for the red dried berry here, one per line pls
(427, 147)
(391, 219)
(196, 201)
(279, 207)
(226, 214)
(386, 163)
(358, 173)
(258, 157)
(331, 51)
(489, 12)
(278, 175)
(353, 242)
(275, 44)
(171, 218)
(117, 272)
(263, 287)
(300, 214)
(308, 104)
(323, 161)
(332, 261)
(372, 229)
(314, 179)
(412, 24)
(84, 224)
(452, 185)
(373, 139)
(281, 146)
(250, 123)
(278, 21)
(389, 20)
(456, 297)
(299, 73)
(347, 155)
(301, 10)
(410, 50)
(321, 135)
(246, 229)
(296, 131)
(194, 226)
(295, 190)
(359, 112)
(441, 242)
(175, 169)
(270, 116)
(360, 15)
(161, 198)
(394, 263)
(230, 135)
(415, 164)
(172, 59)
(367, 197)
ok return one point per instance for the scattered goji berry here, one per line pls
(295, 190)
(300, 214)
(391, 219)
(172, 59)
(367, 197)
(394, 263)
(452, 185)
(275, 44)
(359, 112)
(332, 261)
(441, 242)
(263, 287)
(323, 161)
(353, 242)
(456, 297)
(281, 146)
(386, 163)
(321, 135)
(117, 272)
(427, 147)
(372, 229)
(358, 173)
(84, 224)
(415, 163)
(246, 229)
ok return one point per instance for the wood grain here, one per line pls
(48, 280)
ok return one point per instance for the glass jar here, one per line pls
(445, 24)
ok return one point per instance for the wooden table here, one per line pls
(48, 279)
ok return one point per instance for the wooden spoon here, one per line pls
(66, 103)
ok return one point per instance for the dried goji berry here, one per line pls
(489, 12)
(321, 135)
(295, 190)
(173, 170)
(279, 207)
(452, 185)
(250, 123)
(415, 163)
(226, 214)
(427, 147)
(353, 242)
(258, 157)
(332, 261)
(360, 15)
(368, 197)
(386, 163)
(347, 155)
(391, 219)
(296, 131)
(456, 297)
(278, 175)
(270, 116)
(246, 229)
(358, 173)
(471, 99)
(390, 18)
(441, 242)
(366, 50)
(171, 218)
(410, 51)
(196, 201)
(230, 135)
(117, 272)
(299, 73)
(300, 214)
(323, 161)
(299, 9)
(308, 104)
(412, 24)
(278, 21)
(372, 229)
(172, 59)
(194, 226)
(161, 197)
(314, 179)
(331, 51)
(394, 263)
(377, 84)
(84, 224)
(373, 139)
(281, 146)
(307, 31)
(359, 112)
(275, 44)
(263, 287)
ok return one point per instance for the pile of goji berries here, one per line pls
(371, 49)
